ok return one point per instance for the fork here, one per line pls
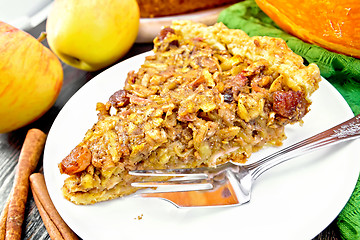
(230, 183)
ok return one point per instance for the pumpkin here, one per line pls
(331, 24)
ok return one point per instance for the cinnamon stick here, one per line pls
(50, 226)
(3, 218)
(28, 160)
(53, 222)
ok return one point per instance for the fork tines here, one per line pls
(186, 179)
(200, 173)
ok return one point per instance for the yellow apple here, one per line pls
(92, 34)
(31, 77)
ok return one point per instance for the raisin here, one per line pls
(289, 104)
(77, 161)
(228, 97)
(119, 99)
(164, 32)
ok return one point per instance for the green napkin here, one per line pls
(343, 72)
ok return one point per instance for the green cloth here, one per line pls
(343, 72)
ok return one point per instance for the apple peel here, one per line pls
(31, 78)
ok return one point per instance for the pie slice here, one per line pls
(206, 95)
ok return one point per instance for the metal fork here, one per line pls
(231, 184)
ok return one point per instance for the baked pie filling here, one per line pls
(206, 96)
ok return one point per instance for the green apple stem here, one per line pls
(42, 36)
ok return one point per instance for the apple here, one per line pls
(31, 77)
(91, 35)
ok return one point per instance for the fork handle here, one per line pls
(345, 131)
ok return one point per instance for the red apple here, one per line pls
(31, 77)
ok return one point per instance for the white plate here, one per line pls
(150, 27)
(295, 200)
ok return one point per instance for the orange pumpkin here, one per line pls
(332, 24)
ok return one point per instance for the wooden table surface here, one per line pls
(11, 143)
